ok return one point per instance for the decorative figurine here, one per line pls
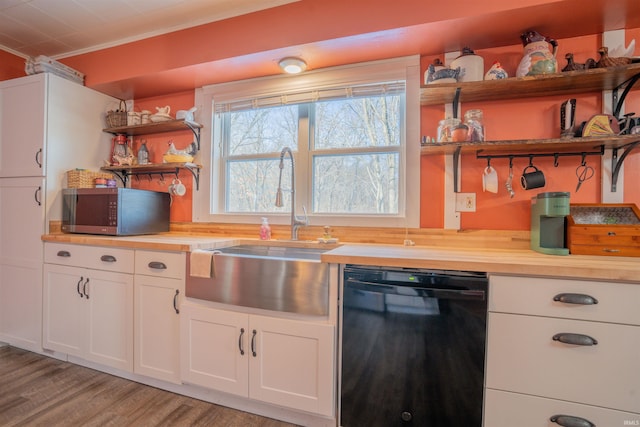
(574, 66)
(444, 75)
(496, 72)
(608, 61)
(537, 59)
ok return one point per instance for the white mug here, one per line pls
(177, 188)
(490, 180)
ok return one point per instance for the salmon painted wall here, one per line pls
(530, 118)
(158, 145)
(11, 66)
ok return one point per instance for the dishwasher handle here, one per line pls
(388, 288)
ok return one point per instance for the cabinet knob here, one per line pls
(571, 421)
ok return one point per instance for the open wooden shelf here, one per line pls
(531, 145)
(157, 127)
(564, 83)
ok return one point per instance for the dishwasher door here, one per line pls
(412, 347)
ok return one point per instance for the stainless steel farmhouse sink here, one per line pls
(281, 278)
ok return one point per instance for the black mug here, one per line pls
(533, 179)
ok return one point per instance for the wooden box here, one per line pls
(604, 229)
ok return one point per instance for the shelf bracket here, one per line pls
(196, 132)
(456, 166)
(619, 101)
(616, 162)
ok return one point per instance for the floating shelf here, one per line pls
(527, 145)
(124, 172)
(158, 127)
(565, 83)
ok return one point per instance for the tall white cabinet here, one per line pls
(48, 125)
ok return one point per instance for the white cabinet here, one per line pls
(88, 304)
(554, 341)
(48, 125)
(286, 362)
(21, 225)
(159, 289)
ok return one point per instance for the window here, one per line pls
(348, 136)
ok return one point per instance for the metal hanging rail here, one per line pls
(530, 156)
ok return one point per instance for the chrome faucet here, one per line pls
(296, 222)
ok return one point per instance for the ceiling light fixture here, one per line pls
(292, 65)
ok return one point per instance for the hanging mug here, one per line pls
(177, 188)
(532, 179)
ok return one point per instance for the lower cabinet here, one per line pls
(280, 361)
(88, 313)
(562, 352)
(158, 292)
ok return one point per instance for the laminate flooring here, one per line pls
(36, 390)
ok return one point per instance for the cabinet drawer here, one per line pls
(523, 356)
(616, 302)
(161, 264)
(504, 409)
(93, 257)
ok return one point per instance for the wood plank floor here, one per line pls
(36, 390)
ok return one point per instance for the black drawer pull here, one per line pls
(64, 254)
(581, 299)
(575, 339)
(108, 258)
(571, 421)
(158, 265)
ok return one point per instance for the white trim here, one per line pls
(361, 73)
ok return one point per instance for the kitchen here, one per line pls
(499, 221)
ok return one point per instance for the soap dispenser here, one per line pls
(265, 230)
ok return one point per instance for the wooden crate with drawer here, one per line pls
(604, 229)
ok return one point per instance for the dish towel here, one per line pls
(202, 263)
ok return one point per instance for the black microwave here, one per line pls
(114, 211)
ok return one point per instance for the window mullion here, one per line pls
(303, 161)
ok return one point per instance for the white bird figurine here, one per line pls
(496, 72)
(621, 51)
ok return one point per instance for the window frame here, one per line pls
(210, 197)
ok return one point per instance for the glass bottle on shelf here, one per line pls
(143, 153)
(474, 121)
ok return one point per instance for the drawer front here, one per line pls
(161, 264)
(93, 257)
(609, 250)
(505, 409)
(523, 356)
(616, 302)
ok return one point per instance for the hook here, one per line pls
(488, 162)
(555, 159)
(510, 162)
(584, 161)
(530, 159)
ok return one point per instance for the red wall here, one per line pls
(11, 66)
(531, 118)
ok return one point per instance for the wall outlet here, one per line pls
(465, 202)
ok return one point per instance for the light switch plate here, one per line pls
(465, 202)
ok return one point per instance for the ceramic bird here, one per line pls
(622, 51)
(574, 66)
(609, 61)
(496, 72)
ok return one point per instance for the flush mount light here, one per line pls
(292, 65)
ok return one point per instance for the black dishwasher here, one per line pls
(412, 347)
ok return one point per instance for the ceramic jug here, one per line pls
(538, 58)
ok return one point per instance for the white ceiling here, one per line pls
(60, 28)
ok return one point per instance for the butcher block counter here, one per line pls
(511, 261)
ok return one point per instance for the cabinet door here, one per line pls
(109, 297)
(157, 327)
(21, 262)
(214, 349)
(22, 124)
(64, 309)
(293, 365)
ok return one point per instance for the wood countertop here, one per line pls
(507, 261)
